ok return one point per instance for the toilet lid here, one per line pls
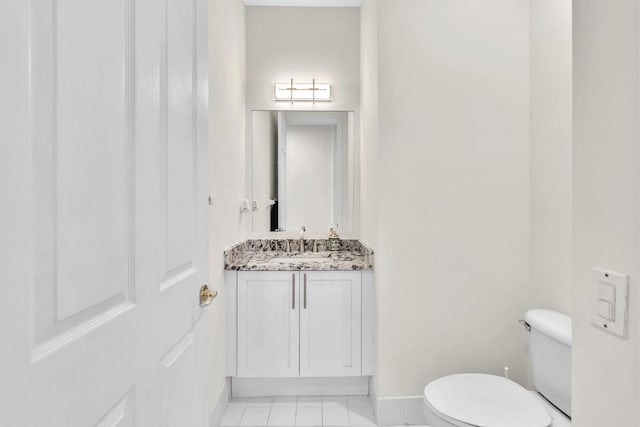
(485, 401)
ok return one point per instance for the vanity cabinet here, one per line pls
(330, 324)
(268, 324)
(299, 324)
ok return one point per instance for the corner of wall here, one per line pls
(215, 415)
(227, 97)
(369, 89)
(550, 141)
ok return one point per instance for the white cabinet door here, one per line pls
(103, 217)
(268, 323)
(330, 324)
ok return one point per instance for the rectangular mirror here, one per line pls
(302, 171)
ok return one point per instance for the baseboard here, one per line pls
(221, 404)
(394, 411)
(260, 387)
(373, 398)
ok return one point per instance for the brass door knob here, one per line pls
(206, 296)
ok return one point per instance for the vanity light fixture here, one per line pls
(303, 91)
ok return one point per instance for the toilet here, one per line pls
(482, 400)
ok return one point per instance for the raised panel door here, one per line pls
(104, 234)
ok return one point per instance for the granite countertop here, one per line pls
(285, 255)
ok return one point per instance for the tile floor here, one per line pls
(299, 411)
(307, 411)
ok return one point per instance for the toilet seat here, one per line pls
(484, 401)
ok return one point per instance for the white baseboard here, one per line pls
(260, 387)
(394, 411)
(373, 400)
(221, 404)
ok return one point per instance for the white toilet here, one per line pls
(480, 400)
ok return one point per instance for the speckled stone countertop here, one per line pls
(285, 255)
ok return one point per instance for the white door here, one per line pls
(330, 323)
(103, 212)
(268, 323)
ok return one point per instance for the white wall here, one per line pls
(452, 265)
(369, 93)
(369, 122)
(226, 165)
(606, 185)
(550, 32)
(303, 43)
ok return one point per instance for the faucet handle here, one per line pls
(302, 230)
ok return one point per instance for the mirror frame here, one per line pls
(354, 175)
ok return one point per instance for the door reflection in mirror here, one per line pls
(301, 170)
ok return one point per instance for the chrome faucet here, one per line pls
(303, 229)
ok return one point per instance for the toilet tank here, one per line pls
(550, 351)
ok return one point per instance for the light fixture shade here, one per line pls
(303, 91)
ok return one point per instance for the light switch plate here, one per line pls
(601, 282)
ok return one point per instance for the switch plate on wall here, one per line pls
(609, 301)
